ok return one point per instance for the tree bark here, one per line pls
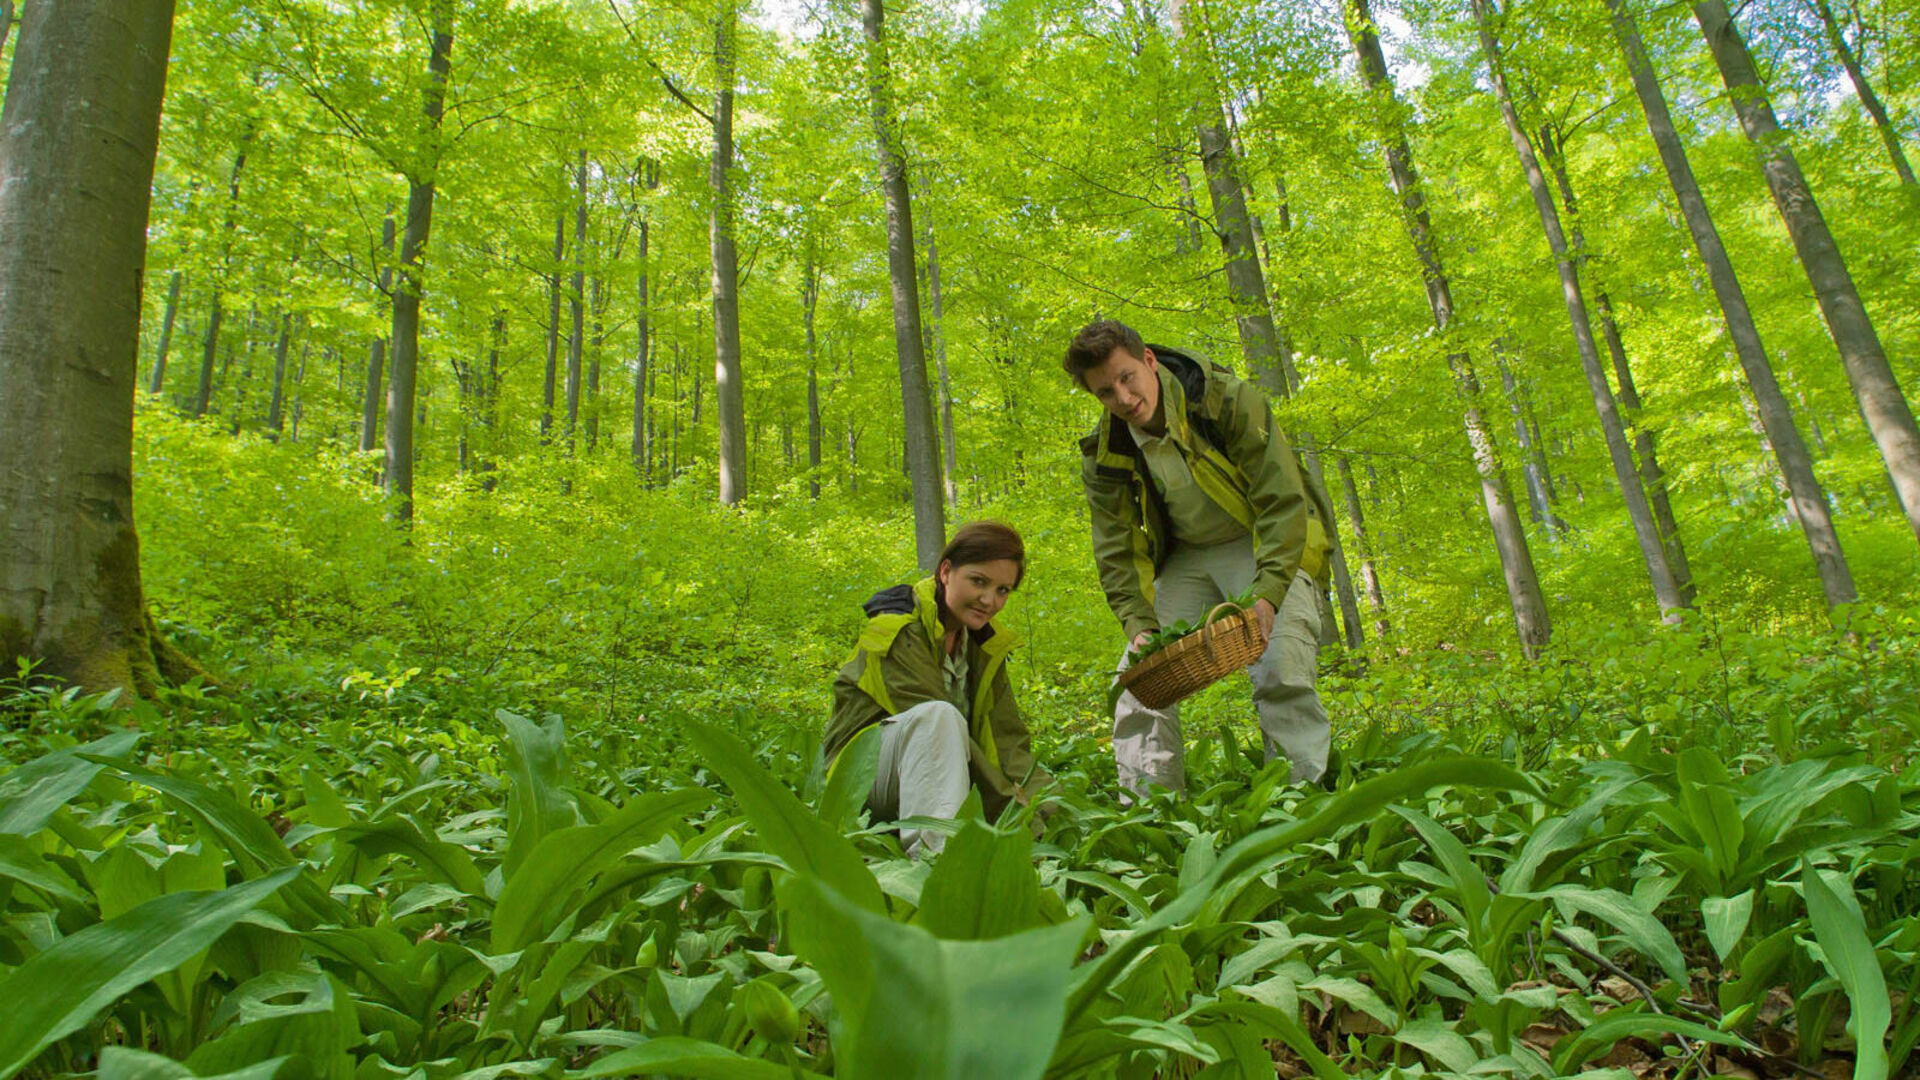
(1809, 499)
(1531, 621)
(949, 471)
(375, 397)
(1337, 557)
(729, 389)
(1666, 590)
(596, 310)
(576, 299)
(1644, 442)
(78, 136)
(1363, 548)
(1882, 403)
(922, 455)
(159, 380)
(1869, 100)
(643, 334)
(277, 404)
(809, 299)
(407, 284)
(551, 380)
(1533, 459)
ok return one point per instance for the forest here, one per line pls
(445, 446)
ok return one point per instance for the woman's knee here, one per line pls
(935, 719)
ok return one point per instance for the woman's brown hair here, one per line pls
(986, 541)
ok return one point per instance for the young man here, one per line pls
(1196, 497)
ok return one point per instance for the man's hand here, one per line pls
(1140, 639)
(1263, 612)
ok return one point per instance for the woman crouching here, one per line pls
(931, 669)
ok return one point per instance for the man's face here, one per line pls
(1127, 385)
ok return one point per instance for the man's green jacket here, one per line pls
(898, 664)
(1239, 459)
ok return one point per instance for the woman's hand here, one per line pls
(1263, 613)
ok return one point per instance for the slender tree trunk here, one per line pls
(553, 329)
(299, 383)
(1189, 209)
(597, 309)
(809, 298)
(643, 342)
(1530, 617)
(1363, 548)
(1776, 416)
(949, 472)
(1666, 590)
(1882, 403)
(728, 381)
(371, 405)
(1869, 100)
(209, 352)
(78, 136)
(1537, 502)
(576, 299)
(1342, 580)
(159, 380)
(407, 285)
(1644, 443)
(922, 460)
(277, 405)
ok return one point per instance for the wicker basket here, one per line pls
(1196, 661)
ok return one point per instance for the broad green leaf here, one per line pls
(1438, 1040)
(32, 793)
(125, 1063)
(1725, 919)
(565, 860)
(441, 861)
(1849, 954)
(1706, 795)
(786, 826)
(537, 773)
(679, 1056)
(983, 886)
(908, 1006)
(850, 778)
(1576, 1048)
(1284, 1026)
(21, 861)
(1469, 881)
(319, 1031)
(1558, 834)
(1634, 923)
(58, 991)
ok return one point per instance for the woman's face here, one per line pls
(977, 591)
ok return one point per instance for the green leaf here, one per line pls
(31, 794)
(318, 1031)
(1638, 926)
(58, 991)
(850, 778)
(533, 900)
(1469, 881)
(537, 772)
(1706, 796)
(1725, 919)
(1574, 1049)
(124, 1063)
(908, 1006)
(786, 826)
(983, 886)
(444, 862)
(1849, 955)
(679, 1056)
(21, 861)
(1438, 1040)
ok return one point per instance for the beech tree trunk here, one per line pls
(78, 135)
(809, 300)
(1342, 580)
(407, 285)
(922, 455)
(1666, 590)
(1516, 560)
(576, 299)
(276, 406)
(1533, 462)
(1363, 549)
(1644, 443)
(548, 385)
(1882, 403)
(643, 335)
(1809, 499)
(596, 310)
(371, 404)
(728, 382)
(1869, 100)
(159, 379)
(949, 471)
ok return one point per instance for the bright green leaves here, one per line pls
(911, 1006)
(1849, 955)
(57, 991)
(537, 769)
(982, 886)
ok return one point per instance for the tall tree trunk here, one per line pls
(159, 379)
(643, 335)
(1342, 580)
(1776, 416)
(949, 472)
(553, 329)
(1253, 317)
(78, 136)
(576, 299)
(1644, 443)
(277, 405)
(209, 352)
(596, 309)
(728, 381)
(922, 460)
(809, 299)
(1869, 100)
(1533, 460)
(299, 382)
(1363, 548)
(1666, 590)
(1516, 561)
(1189, 209)
(1882, 404)
(371, 404)
(407, 285)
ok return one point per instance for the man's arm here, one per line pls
(1119, 552)
(1274, 489)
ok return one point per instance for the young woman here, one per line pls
(930, 668)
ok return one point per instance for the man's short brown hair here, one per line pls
(1095, 342)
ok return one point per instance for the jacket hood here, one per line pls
(897, 600)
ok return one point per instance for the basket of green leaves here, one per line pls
(1180, 660)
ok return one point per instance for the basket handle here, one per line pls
(1207, 632)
